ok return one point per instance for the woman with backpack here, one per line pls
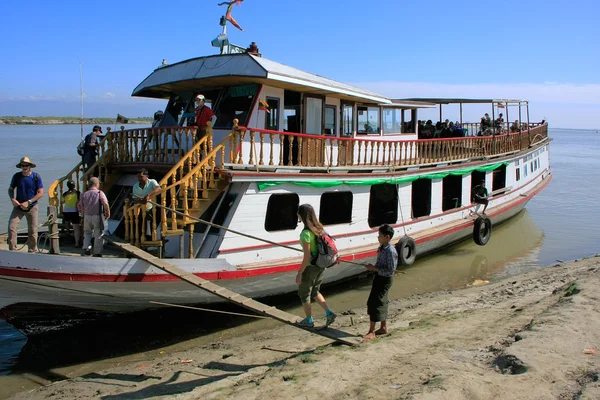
(310, 276)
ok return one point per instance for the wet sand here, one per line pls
(531, 336)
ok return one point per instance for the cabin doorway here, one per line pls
(499, 178)
(476, 178)
(383, 205)
(292, 106)
(451, 192)
(346, 147)
(313, 150)
(421, 198)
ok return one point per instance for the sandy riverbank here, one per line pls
(521, 338)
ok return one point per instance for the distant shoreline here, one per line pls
(68, 120)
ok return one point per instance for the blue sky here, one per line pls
(546, 51)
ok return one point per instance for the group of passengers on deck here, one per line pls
(446, 129)
(449, 129)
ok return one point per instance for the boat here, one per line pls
(227, 207)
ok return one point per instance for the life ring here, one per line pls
(482, 230)
(407, 251)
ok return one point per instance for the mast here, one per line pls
(81, 95)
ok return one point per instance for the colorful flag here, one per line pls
(264, 106)
(121, 119)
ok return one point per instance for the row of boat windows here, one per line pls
(533, 166)
(336, 207)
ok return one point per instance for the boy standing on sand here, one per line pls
(385, 266)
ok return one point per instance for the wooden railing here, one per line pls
(166, 145)
(81, 176)
(258, 147)
(57, 188)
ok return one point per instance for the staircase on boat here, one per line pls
(195, 173)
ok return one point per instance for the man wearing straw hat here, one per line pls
(29, 190)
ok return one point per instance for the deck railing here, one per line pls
(194, 162)
(163, 145)
(258, 147)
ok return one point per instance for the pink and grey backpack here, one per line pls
(328, 252)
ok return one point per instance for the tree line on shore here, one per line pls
(67, 120)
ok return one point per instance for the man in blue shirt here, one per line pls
(29, 189)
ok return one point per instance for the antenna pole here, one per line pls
(81, 94)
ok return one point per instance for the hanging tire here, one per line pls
(407, 251)
(482, 231)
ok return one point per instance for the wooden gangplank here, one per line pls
(231, 296)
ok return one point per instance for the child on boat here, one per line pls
(385, 266)
(309, 276)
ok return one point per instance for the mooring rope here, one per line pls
(211, 224)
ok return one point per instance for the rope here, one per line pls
(41, 235)
(400, 204)
(208, 310)
(211, 224)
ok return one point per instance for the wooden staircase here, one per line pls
(189, 187)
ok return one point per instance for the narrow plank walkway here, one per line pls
(231, 296)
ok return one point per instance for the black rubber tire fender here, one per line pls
(482, 230)
(407, 250)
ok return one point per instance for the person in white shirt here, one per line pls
(143, 190)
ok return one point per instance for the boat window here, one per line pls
(421, 198)
(272, 117)
(175, 109)
(518, 173)
(234, 102)
(368, 120)
(282, 212)
(408, 121)
(347, 120)
(383, 205)
(391, 120)
(499, 178)
(330, 126)
(451, 192)
(336, 208)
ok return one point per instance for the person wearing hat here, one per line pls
(203, 115)
(29, 189)
(90, 145)
(70, 198)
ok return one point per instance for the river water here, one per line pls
(558, 224)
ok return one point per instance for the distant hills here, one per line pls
(67, 120)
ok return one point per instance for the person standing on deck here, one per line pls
(309, 276)
(90, 147)
(29, 190)
(385, 266)
(94, 206)
(203, 115)
(70, 199)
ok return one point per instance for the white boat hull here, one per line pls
(122, 284)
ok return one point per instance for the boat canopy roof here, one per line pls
(239, 69)
(465, 101)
